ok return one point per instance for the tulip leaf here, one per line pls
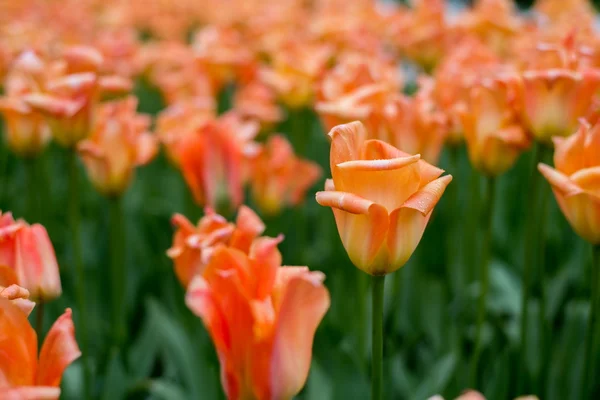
(115, 385)
(161, 389)
(437, 377)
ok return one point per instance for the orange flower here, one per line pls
(554, 100)
(182, 119)
(576, 180)
(119, 143)
(22, 374)
(493, 134)
(26, 131)
(256, 100)
(68, 101)
(381, 198)
(194, 245)
(213, 160)
(27, 251)
(17, 295)
(279, 177)
(262, 319)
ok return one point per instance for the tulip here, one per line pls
(15, 294)
(28, 252)
(24, 375)
(280, 178)
(261, 317)
(26, 131)
(193, 246)
(255, 100)
(381, 198)
(576, 180)
(493, 134)
(119, 143)
(213, 160)
(554, 100)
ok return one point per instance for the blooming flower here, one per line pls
(381, 198)
(261, 317)
(576, 180)
(194, 245)
(119, 143)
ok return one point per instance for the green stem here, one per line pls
(454, 277)
(74, 214)
(471, 234)
(39, 320)
(118, 271)
(32, 191)
(533, 232)
(378, 283)
(591, 340)
(488, 215)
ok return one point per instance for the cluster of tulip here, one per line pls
(395, 86)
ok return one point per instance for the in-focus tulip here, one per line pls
(279, 178)
(213, 160)
(193, 246)
(494, 136)
(382, 198)
(576, 180)
(119, 143)
(22, 374)
(261, 317)
(28, 252)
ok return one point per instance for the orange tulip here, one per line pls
(194, 245)
(494, 136)
(28, 252)
(213, 160)
(261, 317)
(119, 143)
(182, 119)
(576, 180)
(22, 374)
(554, 100)
(255, 100)
(382, 198)
(280, 178)
(26, 131)
(17, 295)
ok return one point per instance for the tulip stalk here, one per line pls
(533, 233)
(488, 215)
(39, 319)
(73, 209)
(591, 340)
(117, 269)
(378, 285)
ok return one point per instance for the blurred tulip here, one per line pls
(22, 374)
(381, 198)
(493, 134)
(257, 101)
(17, 295)
(28, 251)
(554, 100)
(576, 180)
(193, 246)
(279, 178)
(213, 160)
(26, 131)
(182, 119)
(261, 317)
(119, 142)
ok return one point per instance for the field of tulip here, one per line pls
(318, 200)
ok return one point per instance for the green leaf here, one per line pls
(161, 389)
(437, 378)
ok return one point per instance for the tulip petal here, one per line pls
(266, 259)
(19, 296)
(7, 276)
(362, 225)
(588, 179)
(31, 393)
(385, 182)
(426, 198)
(559, 181)
(304, 304)
(346, 143)
(18, 346)
(59, 350)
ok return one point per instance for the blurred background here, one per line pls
(430, 310)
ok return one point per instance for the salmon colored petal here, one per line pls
(373, 149)
(588, 179)
(266, 259)
(146, 148)
(305, 302)
(19, 296)
(427, 197)
(559, 181)
(329, 185)
(31, 393)
(248, 227)
(7, 276)
(346, 142)
(569, 151)
(59, 350)
(385, 182)
(18, 346)
(582, 210)
(362, 225)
